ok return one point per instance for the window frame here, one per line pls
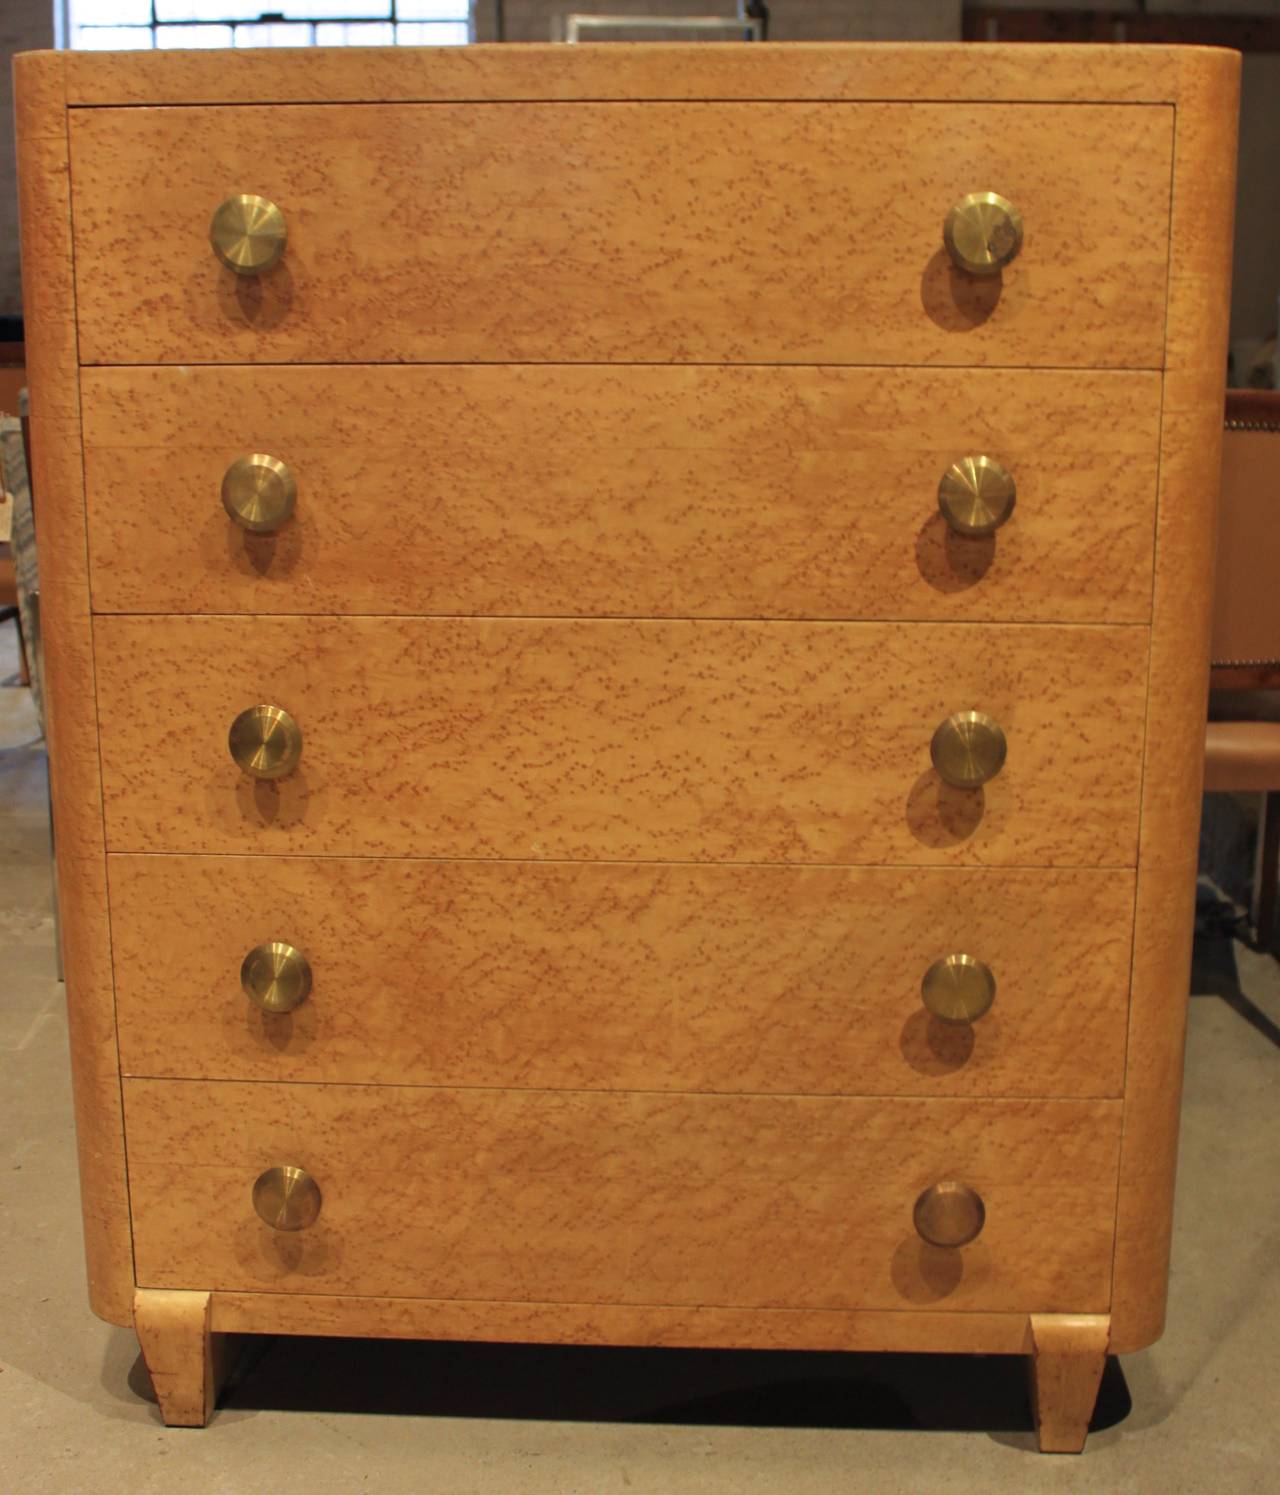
(66, 26)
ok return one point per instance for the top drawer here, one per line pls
(651, 233)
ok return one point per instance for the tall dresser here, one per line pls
(627, 639)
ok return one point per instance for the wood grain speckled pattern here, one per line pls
(920, 71)
(728, 492)
(615, 977)
(769, 1201)
(914, 1331)
(71, 708)
(633, 232)
(560, 214)
(623, 740)
(1068, 1356)
(178, 1347)
(1191, 450)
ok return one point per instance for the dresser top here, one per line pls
(977, 72)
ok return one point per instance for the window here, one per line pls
(126, 25)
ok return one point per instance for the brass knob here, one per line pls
(983, 232)
(968, 749)
(949, 1214)
(266, 742)
(976, 495)
(248, 233)
(259, 492)
(276, 976)
(287, 1198)
(958, 989)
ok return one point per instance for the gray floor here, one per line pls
(314, 1416)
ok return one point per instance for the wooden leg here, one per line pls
(1269, 870)
(186, 1362)
(24, 669)
(1068, 1352)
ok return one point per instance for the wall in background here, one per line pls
(1256, 283)
(790, 20)
(24, 26)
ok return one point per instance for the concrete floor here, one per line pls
(1197, 1412)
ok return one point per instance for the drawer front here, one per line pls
(646, 232)
(622, 740)
(614, 977)
(666, 1199)
(727, 492)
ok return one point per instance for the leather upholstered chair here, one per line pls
(1242, 747)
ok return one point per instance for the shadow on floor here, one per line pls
(563, 1383)
(1214, 971)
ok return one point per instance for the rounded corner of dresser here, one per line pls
(1137, 1326)
(40, 62)
(112, 1299)
(1208, 80)
(1221, 64)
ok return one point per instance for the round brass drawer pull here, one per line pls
(949, 1214)
(286, 1198)
(259, 492)
(248, 233)
(976, 495)
(983, 232)
(958, 989)
(266, 742)
(276, 976)
(968, 749)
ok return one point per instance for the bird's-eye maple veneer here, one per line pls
(627, 637)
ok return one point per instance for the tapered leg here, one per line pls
(186, 1362)
(1068, 1352)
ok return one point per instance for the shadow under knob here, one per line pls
(259, 492)
(949, 1214)
(958, 989)
(266, 742)
(286, 1198)
(968, 749)
(248, 233)
(983, 232)
(276, 976)
(976, 495)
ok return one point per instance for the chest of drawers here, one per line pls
(627, 638)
